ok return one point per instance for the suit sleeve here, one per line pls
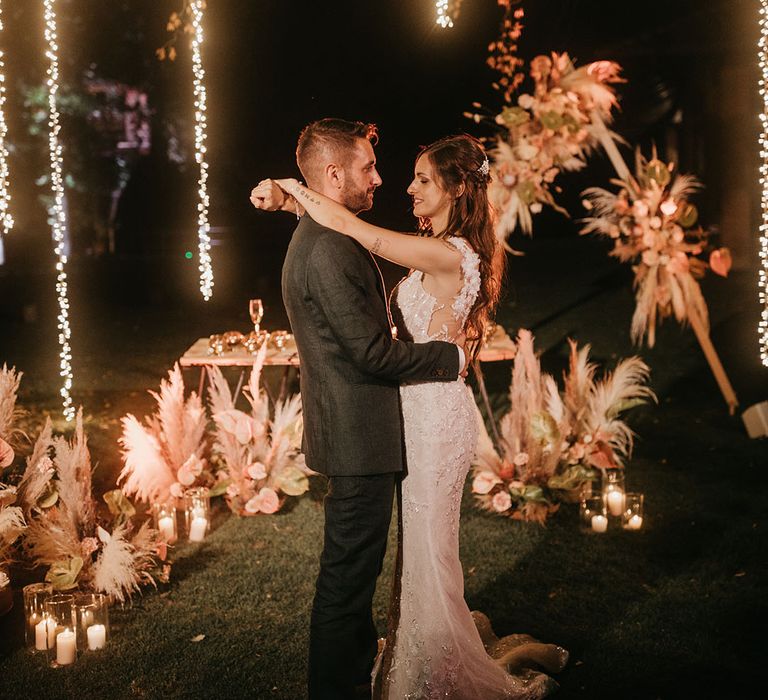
(339, 281)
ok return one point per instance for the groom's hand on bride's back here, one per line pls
(465, 355)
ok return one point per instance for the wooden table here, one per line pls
(498, 348)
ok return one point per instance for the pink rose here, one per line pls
(177, 490)
(6, 454)
(484, 481)
(269, 500)
(502, 501)
(194, 464)
(233, 490)
(265, 501)
(185, 476)
(650, 258)
(257, 471)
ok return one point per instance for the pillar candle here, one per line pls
(166, 528)
(97, 637)
(44, 634)
(65, 647)
(599, 523)
(197, 529)
(615, 501)
(635, 522)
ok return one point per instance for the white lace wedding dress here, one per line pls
(438, 651)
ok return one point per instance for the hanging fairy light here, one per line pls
(58, 214)
(203, 227)
(6, 220)
(762, 56)
(444, 19)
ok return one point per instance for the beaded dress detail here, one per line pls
(438, 651)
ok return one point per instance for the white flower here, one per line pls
(4, 580)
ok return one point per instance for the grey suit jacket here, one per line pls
(351, 366)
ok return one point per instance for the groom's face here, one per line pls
(360, 177)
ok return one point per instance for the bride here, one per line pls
(436, 649)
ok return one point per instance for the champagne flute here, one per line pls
(256, 309)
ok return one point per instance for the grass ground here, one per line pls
(675, 611)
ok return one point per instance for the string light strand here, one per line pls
(762, 57)
(6, 220)
(203, 227)
(58, 216)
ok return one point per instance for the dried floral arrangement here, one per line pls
(553, 442)
(259, 460)
(165, 454)
(653, 225)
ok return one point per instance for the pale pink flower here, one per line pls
(177, 490)
(678, 265)
(194, 464)
(484, 481)
(257, 471)
(641, 208)
(525, 101)
(668, 207)
(240, 424)
(88, 546)
(649, 239)
(269, 500)
(655, 223)
(677, 234)
(650, 257)
(185, 476)
(6, 454)
(521, 459)
(233, 490)
(577, 451)
(501, 501)
(516, 484)
(253, 505)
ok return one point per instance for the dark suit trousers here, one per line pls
(342, 639)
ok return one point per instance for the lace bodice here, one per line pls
(429, 318)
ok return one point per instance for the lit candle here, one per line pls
(197, 529)
(166, 528)
(615, 501)
(97, 637)
(86, 619)
(65, 647)
(44, 634)
(635, 522)
(198, 512)
(599, 523)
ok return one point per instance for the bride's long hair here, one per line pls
(461, 160)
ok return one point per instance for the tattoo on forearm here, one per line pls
(306, 195)
(448, 244)
(376, 247)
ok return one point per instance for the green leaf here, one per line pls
(551, 120)
(48, 497)
(571, 478)
(220, 488)
(532, 492)
(544, 428)
(292, 481)
(63, 574)
(119, 504)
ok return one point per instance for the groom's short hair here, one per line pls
(329, 140)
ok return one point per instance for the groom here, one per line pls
(351, 368)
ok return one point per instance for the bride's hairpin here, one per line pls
(485, 167)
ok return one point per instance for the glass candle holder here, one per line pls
(165, 521)
(92, 618)
(614, 491)
(35, 594)
(592, 514)
(632, 517)
(197, 507)
(58, 628)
